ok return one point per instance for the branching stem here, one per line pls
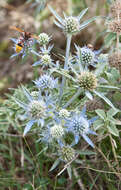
(73, 98)
(66, 64)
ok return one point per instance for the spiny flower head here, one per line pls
(44, 39)
(79, 125)
(115, 60)
(54, 132)
(57, 131)
(116, 8)
(88, 56)
(64, 113)
(67, 153)
(87, 80)
(71, 25)
(35, 95)
(46, 82)
(36, 109)
(115, 26)
(45, 58)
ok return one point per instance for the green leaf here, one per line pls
(112, 112)
(110, 87)
(117, 122)
(101, 113)
(43, 150)
(55, 164)
(113, 130)
(85, 23)
(104, 98)
(100, 69)
(83, 12)
(56, 15)
(64, 73)
(69, 171)
(97, 124)
(109, 39)
(89, 95)
(85, 152)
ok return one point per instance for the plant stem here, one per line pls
(79, 181)
(108, 162)
(114, 152)
(73, 98)
(117, 39)
(66, 64)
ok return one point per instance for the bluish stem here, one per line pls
(66, 64)
(73, 98)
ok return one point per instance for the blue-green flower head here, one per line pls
(88, 56)
(36, 110)
(35, 95)
(87, 80)
(71, 25)
(44, 39)
(66, 153)
(54, 132)
(79, 125)
(46, 82)
(63, 113)
(57, 131)
(46, 60)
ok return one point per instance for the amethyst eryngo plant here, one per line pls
(48, 109)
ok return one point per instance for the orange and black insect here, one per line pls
(24, 38)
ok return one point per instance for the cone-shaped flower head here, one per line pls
(35, 95)
(71, 25)
(87, 55)
(115, 26)
(116, 8)
(46, 82)
(79, 125)
(87, 81)
(67, 153)
(57, 131)
(36, 109)
(115, 60)
(45, 58)
(64, 113)
(44, 39)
